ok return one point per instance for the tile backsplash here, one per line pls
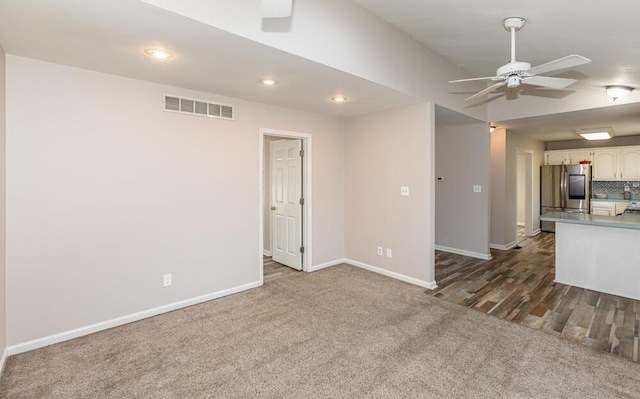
(615, 188)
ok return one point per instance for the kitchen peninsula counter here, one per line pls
(598, 252)
(625, 221)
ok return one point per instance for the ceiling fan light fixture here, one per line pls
(617, 92)
(599, 133)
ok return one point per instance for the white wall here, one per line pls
(106, 192)
(499, 211)
(3, 292)
(382, 153)
(462, 216)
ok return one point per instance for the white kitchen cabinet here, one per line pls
(609, 163)
(556, 158)
(602, 208)
(576, 157)
(605, 165)
(608, 208)
(621, 207)
(629, 164)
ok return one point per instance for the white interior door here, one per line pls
(286, 204)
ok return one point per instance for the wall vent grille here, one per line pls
(197, 107)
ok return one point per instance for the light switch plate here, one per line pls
(477, 188)
(404, 191)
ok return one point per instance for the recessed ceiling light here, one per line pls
(159, 54)
(269, 81)
(600, 133)
(339, 99)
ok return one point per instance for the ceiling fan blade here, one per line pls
(276, 8)
(561, 63)
(475, 79)
(487, 90)
(546, 81)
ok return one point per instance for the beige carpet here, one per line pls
(337, 333)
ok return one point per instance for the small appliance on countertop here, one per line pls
(633, 208)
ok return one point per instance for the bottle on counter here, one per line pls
(626, 194)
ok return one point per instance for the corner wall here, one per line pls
(504, 184)
(112, 192)
(383, 152)
(524, 143)
(462, 216)
(3, 219)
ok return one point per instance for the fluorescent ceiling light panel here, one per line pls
(600, 133)
(276, 8)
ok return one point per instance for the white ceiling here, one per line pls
(109, 36)
(470, 34)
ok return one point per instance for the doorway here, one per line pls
(524, 193)
(297, 219)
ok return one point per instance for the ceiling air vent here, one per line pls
(197, 107)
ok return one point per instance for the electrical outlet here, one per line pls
(379, 251)
(166, 280)
(389, 253)
(477, 188)
(404, 191)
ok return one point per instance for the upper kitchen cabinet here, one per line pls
(579, 156)
(609, 163)
(605, 165)
(630, 164)
(556, 157)
(567, 157)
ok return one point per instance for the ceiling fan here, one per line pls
(516, 72)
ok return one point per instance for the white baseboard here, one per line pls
(266, 252)
(104, 325)
(326, 264)
(3, 360)
(426, 284)
(503, 247)
(536, 232)
(464, 252)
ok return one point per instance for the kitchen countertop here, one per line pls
(625, 221)
(609, 200)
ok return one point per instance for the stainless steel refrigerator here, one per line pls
(564, 188)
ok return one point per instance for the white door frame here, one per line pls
(306, 191)
(528, 191)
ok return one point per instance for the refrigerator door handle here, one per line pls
(563, 186)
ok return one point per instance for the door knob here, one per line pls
(273, 208)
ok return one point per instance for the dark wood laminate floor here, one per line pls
(274, 270)
(517, 285)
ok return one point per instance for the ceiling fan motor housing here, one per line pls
(513, 68)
